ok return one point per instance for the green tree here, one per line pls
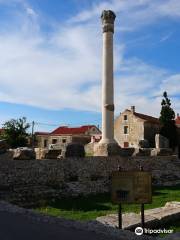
(167, 120)
(15, 132)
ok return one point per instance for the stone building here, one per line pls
(42, 139)
(63, 135)
(131, 128)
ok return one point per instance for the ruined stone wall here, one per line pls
(34, 180)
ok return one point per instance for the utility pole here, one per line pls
(33, 123)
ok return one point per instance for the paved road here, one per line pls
(17, 227)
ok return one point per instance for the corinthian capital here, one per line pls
(108, 18)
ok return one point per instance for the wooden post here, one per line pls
(120, 208)
(142, 216)
(32, 135)
(142, 208)
(120, 217)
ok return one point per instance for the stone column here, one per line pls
(107, 145)
(107, 18)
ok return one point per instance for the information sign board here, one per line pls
(131, 187)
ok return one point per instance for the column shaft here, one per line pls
(107, 146)
(107, 89)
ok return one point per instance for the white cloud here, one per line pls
(63, 70)
(49, 77)
(30, 11)
(166, 37)
(171, 84)
(133, 14)
(137, 84)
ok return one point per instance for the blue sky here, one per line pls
(50, 62)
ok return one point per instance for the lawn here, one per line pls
(81, 208)
(89, 208)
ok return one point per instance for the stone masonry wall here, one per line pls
(30, 181)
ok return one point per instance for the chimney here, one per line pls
(132, 109)
(177, 115)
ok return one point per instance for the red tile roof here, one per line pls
(147, 118)
(70, 130)
(178, 120)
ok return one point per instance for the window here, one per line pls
(125, 129)
(45, 143)
(64, 140)
(54, 141)
(125, 117)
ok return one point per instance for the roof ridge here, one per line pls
(72, 130)
(146, 115)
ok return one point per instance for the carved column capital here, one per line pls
(108, 18)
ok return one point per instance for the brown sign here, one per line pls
(131, 187)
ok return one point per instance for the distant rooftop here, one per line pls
(144, 116)
(178, 120)
(147, 118)
(68, 130)
(72, 130)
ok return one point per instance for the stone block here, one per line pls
(142, 152)
(161, 141)
(44, 153)
(3, 146)
(24, 154)
(75, 150)
(40, 153)
(107, 149)
(89, 149)
(161, 152)
(173, 204)
(154, 218)
(52, 154)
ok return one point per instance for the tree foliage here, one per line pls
(167, 116)
(15, 132)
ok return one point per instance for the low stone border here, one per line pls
(92, 226)
(154, 218)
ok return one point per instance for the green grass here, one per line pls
(90, 207)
